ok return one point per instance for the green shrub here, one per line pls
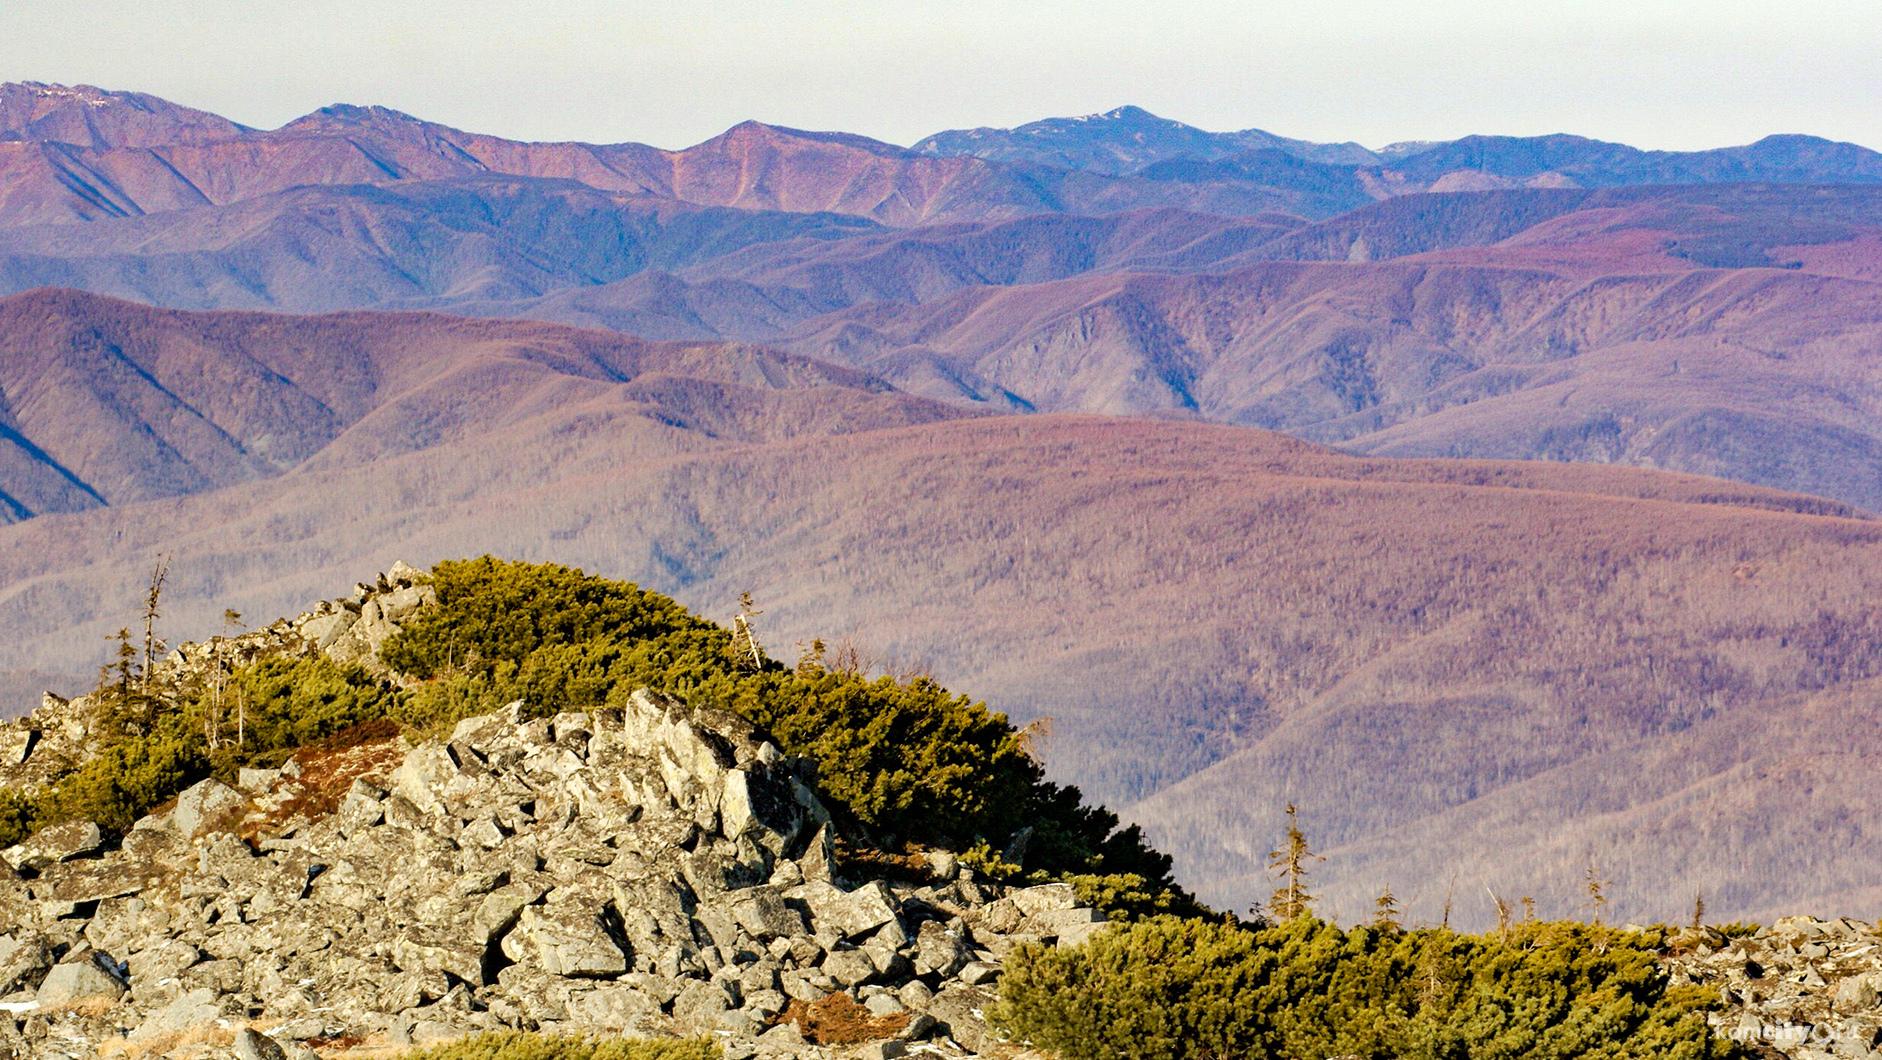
(515, 1045)
(284, 704)
(898, 759)
(291, 703)
(1172, 989)
(19, 816)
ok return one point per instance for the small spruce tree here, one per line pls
(1385, 913)
(1289, 864)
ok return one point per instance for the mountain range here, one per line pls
(1677, 674)
(1001, 405)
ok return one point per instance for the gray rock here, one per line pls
(618, 1009)
(920, 1025)
(251, 1044)
(850, 967)
(783, 1038)
(915, 994)
(956, 1011)
(204, 806)
(943, 865)
(887, 1050)
(940, 951)
(847, 914)
(1047, 898)
(57, 843)
(739, 1024)
(978, 974)
(762, 912)
(70, 984)
(324, 630)
(422, 777)
(884, 1005)
(698, 1006)
(1855, 994)
(195, 1008)
(819, 859)
(25, 958)
(571, 940)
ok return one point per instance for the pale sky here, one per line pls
(1678, 74)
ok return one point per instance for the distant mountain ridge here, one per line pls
(83, 153)
(1123, 141)
(1126, 140)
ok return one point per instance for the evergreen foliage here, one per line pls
(1173, 989)
(901, 759)
(290, 703)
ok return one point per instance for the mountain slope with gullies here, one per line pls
(105, 402)
(1414, 651)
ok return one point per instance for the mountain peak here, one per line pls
(354, 114)
(1129, 113)
(89, 116)
(751, 132)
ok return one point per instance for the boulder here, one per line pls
(57, 843)
(1046, 898)
(25, 958)
(763, 913)
(1855, 994)
(957, 1011)
(618, 1009)
(850, 968)
(251, 1044)
(940, 951)
(194, 1008)
(570, 940)
(204, 806)
(80, 981)
(847, 914)
(421, 779)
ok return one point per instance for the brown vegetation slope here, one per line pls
(1480, 671)
(105, 402)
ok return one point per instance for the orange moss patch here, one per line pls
(328, 768)
(840, 1020)
(910, 866)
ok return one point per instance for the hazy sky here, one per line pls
(1655, 73)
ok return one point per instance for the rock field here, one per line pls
(655, 871)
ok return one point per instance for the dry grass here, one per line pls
(87, 1008)
(839, 1019)
(173, 1042)
(328, 768)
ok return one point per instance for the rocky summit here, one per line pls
(660, 870)
(1804, 987)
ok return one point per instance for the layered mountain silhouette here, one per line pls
(1220, 619)
(1000, 403)
(1708, 327)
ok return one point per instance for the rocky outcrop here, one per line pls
(57, 736)
(658, 870)
(1804, 987)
